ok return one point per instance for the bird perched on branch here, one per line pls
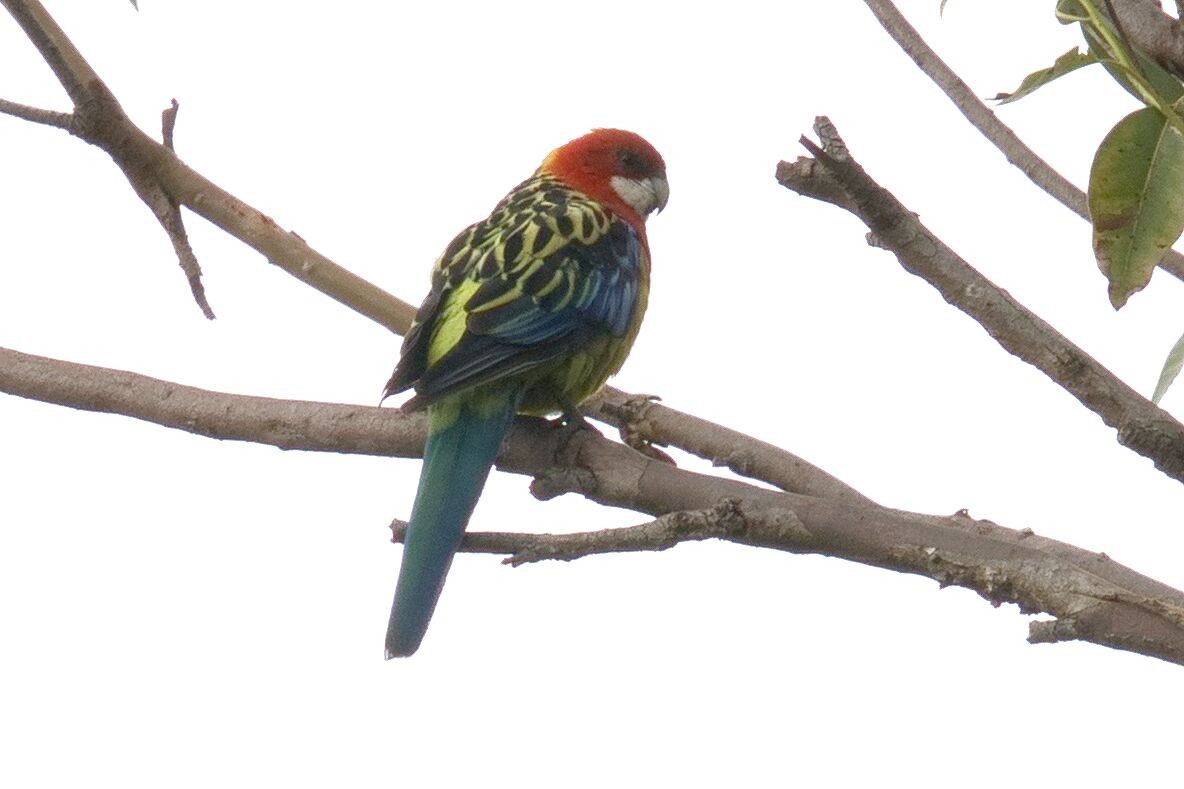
(530, 311)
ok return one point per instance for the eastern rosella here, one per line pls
(530, 311)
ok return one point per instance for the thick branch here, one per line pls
(982, 118)
(1093, 598)
(1141, 426)
(287, 424)
(58, 51)
(641, 418)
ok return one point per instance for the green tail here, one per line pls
(464, 438)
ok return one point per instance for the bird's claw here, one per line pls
(633, 439)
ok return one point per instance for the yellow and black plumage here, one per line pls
(530, 311)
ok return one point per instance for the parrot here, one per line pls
(530, 311)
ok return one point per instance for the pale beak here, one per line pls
(661, 189)
(644, 195)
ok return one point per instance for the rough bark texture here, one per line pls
(1093, 598)
(1140, 424)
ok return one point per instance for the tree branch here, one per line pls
(152, 169)
(1093, 598)
(1152, 31)
(1141, 425)
(987, 122)
(58, 51)
(723, 521)
(60, 120)
(287, 424)
(1104, 606)
(100, 120)
(641, 419)
(168, 213)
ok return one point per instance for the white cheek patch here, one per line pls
(638, 194)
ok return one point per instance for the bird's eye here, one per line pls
(629, 161)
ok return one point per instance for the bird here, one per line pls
(530, 311)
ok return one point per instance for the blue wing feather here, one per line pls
(533, 327)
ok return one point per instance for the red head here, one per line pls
(616, 167)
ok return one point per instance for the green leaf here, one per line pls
(1171, 368)
(1070, 11)
(1070, 61)
(1136, 199)
(1163, 83)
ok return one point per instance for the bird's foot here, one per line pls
(633, 438)
(633, 431)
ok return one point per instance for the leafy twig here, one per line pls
(982, 118)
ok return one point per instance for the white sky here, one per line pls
(181, 612)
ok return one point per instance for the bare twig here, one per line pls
(1092, 597)
(1141, 426)
(152, 169)
(100, 120)
(168, 213)
(725, 520)
(168, 124)
(982, 118)
(60, 120)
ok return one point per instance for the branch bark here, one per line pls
(99, 119)
(59, 120)
(641, 419)
(158, 176)
(1093, 598)
(168, 213)
(723, 521)
(1141, 425)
